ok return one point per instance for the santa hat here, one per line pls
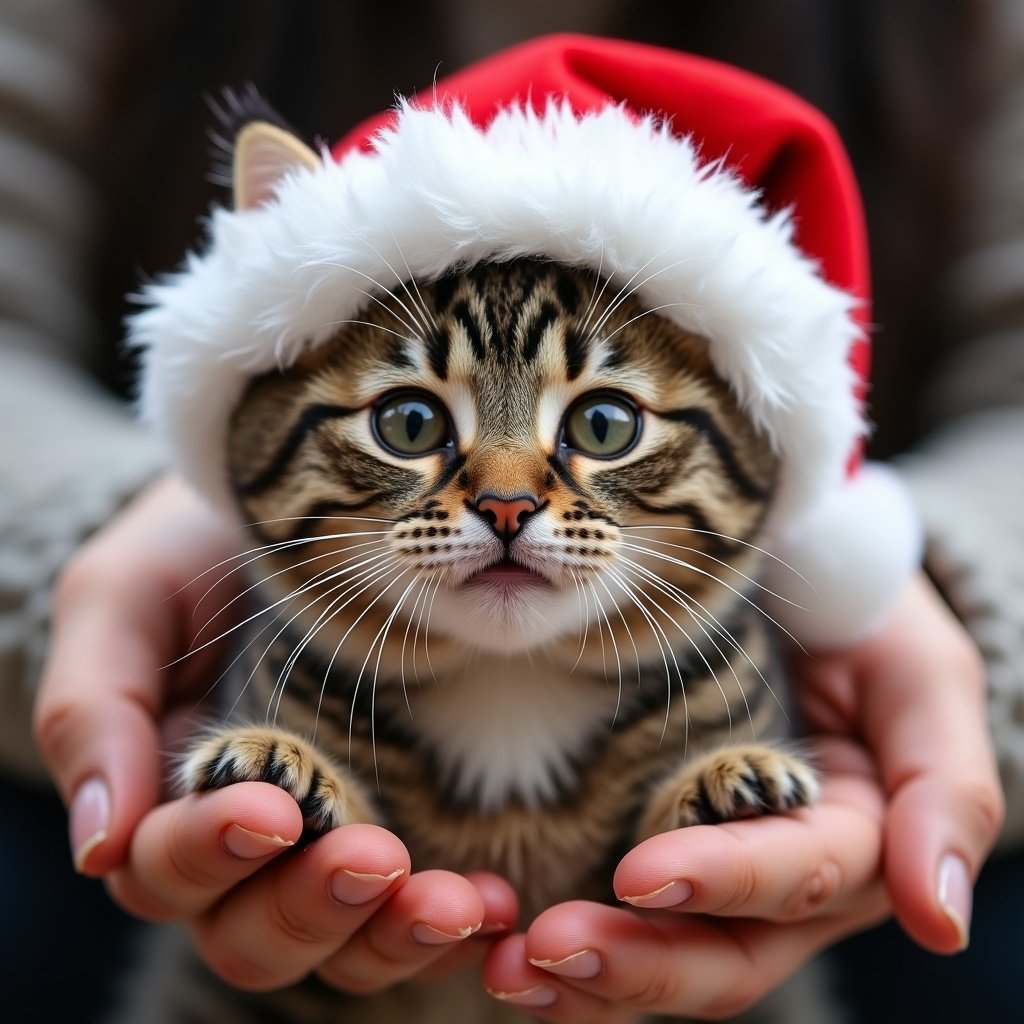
(721, 197)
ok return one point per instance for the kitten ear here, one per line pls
(264, 154)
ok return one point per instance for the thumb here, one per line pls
(925, 717)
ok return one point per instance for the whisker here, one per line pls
(663, 642)
(423, 307)
(334, 606)
(719, 628)
(641, 315)
(615, 650)
(387, 291)
(665, 588)
(378, 641)
(624, 294)
(279, 572)
(703, 572)
(595, 296)
(731, 540)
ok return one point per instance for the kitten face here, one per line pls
(514, 455)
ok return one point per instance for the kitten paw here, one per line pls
(325, 797)
(727, 785)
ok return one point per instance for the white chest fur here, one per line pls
(505, 728)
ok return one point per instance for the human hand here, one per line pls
(349, 908)
(910, 806)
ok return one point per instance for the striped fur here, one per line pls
(536, 728)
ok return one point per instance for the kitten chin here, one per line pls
(510, 612)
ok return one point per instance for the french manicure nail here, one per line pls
(672, 894)
(538, 996)
(248, 845)
(354, 888)
(955, 892)
(582, 966)
(430, 936)
(90, 819)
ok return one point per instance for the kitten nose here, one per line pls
(506, 515)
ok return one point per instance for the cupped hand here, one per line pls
(910, 807)
(262, 912)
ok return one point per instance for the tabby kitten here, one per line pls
(505, 598)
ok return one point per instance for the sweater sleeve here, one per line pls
(967, 477)
(71, 453)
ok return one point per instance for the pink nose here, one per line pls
(506, 516)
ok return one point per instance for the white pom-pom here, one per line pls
(855, 551)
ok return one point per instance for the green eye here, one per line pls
(412, 423)
(602, 425)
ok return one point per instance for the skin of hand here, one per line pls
(349, 908)
(910, 806)
(771, 892)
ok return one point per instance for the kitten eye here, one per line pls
(412, 423)
(602, 425)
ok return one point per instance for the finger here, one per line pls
(282, 924)
(602, 961)
(95, 719)
(114, 631)
(926, 720)
(501, 909)
(424, 920)
(779, 868)
(187, 854)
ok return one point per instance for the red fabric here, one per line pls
(774, 140)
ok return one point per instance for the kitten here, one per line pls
(504, 599)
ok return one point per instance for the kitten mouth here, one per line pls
(505, 572)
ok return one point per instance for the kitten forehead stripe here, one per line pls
(575, 353)
(468, 322)
(311, 419)
(535, 331)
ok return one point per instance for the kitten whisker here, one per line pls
(428, 316)
(261, 549)
(675, 594)
(717, 625)
(334, 606)
(625, 624)
(377, 546)
(423, 580)
(307, 585)
(703, 572)
(641, 315)
(378, 641)
(615, 650)
(595, 296)
(625, 295)
(586, 627)
(374, 298)
(388, 569)
(662, 640)
(730, 540)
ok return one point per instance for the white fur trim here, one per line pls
(849, 559)
(604, 189)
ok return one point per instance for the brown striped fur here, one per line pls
(387, 686)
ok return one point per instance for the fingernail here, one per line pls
(430, 936)
(583, 965)
(354, 888)
(538, 996)
(956, 895)
(90, 819)
(248, 845)
(672, 894)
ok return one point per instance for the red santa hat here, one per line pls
(722, 198)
